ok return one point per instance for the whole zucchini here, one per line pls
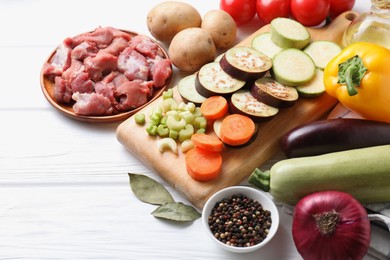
(364, 173)
(333, 135)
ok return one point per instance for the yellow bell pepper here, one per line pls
(359, 77)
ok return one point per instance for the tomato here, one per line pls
(310, 12)
(267, 10)
(338, 7)
(242, 11)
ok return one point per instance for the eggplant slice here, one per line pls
(245, 63)
(243, 102)
(187, 90)
(273, 93)
(211, 80)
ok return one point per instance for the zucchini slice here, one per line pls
(293, 67)
(313, 88)
(288, 33)
(264, 43)
(212, 80)
(273, 93)
(217, 126)
(187, 90)
(245, 63)
(242, 102)
(322, 52)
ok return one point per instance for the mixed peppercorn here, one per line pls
(239, 221)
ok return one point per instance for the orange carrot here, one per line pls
(207, 142)
(203, 165)
(214, 107)
(236, 129)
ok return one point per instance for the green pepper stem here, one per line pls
(349, 75)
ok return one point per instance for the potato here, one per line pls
(191, 48)
(168, 18)
(221, 27)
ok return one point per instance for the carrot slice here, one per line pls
(214, 107)
(203, 165)
(207, 142)
(236, 129)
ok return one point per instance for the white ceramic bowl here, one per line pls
(251, 193)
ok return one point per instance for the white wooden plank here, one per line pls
(64, 189)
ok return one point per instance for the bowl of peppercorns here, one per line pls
(240, 219)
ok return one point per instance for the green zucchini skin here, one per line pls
(364, 173)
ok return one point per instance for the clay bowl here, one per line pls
(66, 109)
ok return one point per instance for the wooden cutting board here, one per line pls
(238, 163)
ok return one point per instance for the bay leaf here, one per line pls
(148, 190)
(176, 211)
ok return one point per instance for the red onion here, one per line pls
(331, 225)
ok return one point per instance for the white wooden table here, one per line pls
(64, 188)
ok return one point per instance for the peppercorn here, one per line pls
(239, 221)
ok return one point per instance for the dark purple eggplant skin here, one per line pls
(333, 135)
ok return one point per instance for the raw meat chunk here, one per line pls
(133, 94)
(110, 77)
(102, 63)
(133, 64)
(62, 91)
(92, 104)
(160, 71)
(107, 90)
(145, 46)
(116, 46)
(119, 80)
(84, 50)
(118, 33)
(75, 68)
(60, 61)
(101, 36)
(82, 83)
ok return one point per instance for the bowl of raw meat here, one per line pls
(105, 75)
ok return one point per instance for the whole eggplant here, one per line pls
(332, 135)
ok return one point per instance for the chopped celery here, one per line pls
(167, 94)
(175, 120)
(158, 110)
(167, 144)
(151, 129)
(139, 119)
(191, 107)
(201, 131)
(186, 107)
(182, 106)
(197, 112)
(200, 122)
(169, 104)
(162, 130)
(173, 134)
(187, 145)
(187, 116)
(155, 118)
(163, 120)
(175, 124)
(173, 113)
(186, 132)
